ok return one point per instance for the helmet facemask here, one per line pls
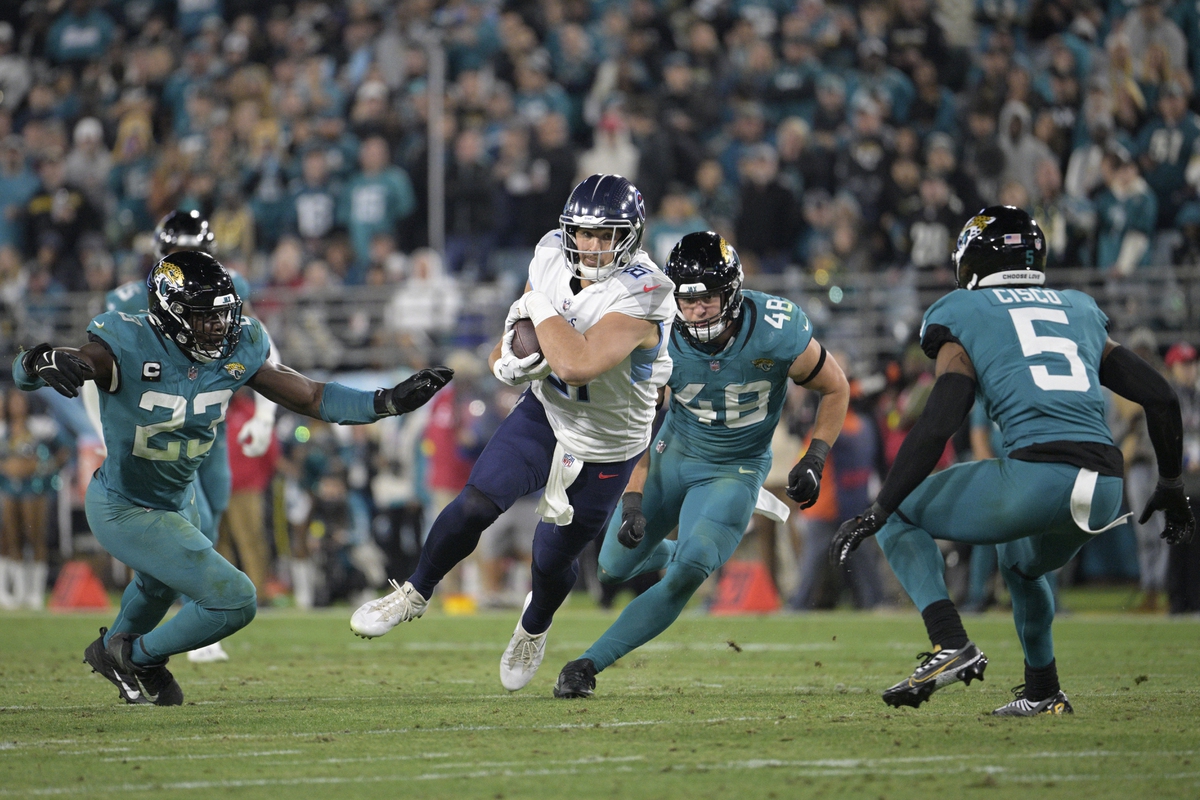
(706, 330)
(199, 310)
(605, 262)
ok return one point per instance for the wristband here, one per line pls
(818, 449)
(539, 307)
(631, 501)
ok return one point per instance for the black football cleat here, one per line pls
(1021, 706)
(939, 669)
(577, 679)
(126, 682)
(158, 684)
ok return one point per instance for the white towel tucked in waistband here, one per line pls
(771, 507)
(1081, 503)
(554, 507)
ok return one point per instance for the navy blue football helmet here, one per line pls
(193, 301)
(602, 202)
(1000, 246)
(184, 230)
(702, 265)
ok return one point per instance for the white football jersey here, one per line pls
(609, 419)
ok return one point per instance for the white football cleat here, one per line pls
(379, 616)
(523, 655)
(208, 654)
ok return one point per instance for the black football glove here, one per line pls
(411, 394)
(1169, 498)
(852, 532)
(633, 521)
(804, 481)
(64, 372)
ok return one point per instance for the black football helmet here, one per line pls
(183, 230)
(603, 201)
(704, 264)
(1000, 246)
(193, 302)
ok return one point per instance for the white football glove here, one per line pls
(514, 371)
(255, 436)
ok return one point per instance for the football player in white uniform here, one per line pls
(602, 311)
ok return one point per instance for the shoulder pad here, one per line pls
(551, 239)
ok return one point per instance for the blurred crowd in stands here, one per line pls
(833, 138)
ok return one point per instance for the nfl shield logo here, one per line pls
(660, 447)
(566, 304)
(192, 372)
(568, 460)
(715, 366)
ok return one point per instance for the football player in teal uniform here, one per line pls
(165, 380)
(176, 232)
(1036, 358)
(732, 354)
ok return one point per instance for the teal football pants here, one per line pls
(712, 505)
(1022, 507)
(170, 557)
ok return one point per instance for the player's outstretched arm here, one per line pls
(64, 369)
(1122, 371)
(334, 402)
(815, 369)
(949, 403)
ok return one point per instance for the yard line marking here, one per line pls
(203, 756)
(11, 746)
(1000, 773)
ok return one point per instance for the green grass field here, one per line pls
(304, 709)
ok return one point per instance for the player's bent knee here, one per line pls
(610, 578)
(238, 618)
(477, 507)
(684, 578)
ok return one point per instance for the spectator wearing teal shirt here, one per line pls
(82, 34)
(1125, 212)
(1164, 147)
(375, 200)
(676, 218)
(18, 185)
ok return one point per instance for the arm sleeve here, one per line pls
(951, 399)
(1134, 379)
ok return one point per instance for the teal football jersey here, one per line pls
(131, 297)
(162, 411)
(1036, 354)
(726, 405)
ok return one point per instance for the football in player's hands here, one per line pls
(525, 341)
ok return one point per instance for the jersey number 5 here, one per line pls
(178, 405)
(1032, 344)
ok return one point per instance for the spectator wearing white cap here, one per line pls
(89, 162)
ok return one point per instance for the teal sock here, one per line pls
(914, 556)
(647, 615)
(193, 627)
(140, 611)
(1033, 614)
